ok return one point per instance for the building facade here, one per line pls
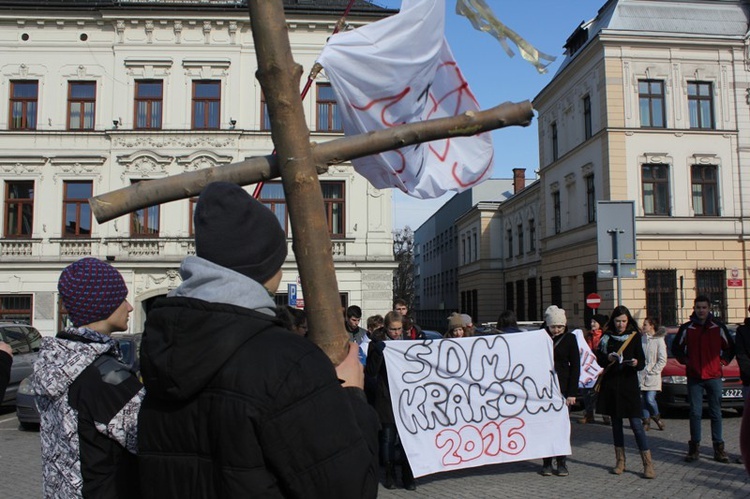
(101, 95)
(649, 106)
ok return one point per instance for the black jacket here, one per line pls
(567, 363)
(742, 346)
(620, 394)
(5, 362)
(236, 406)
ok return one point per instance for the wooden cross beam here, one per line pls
(299, 162)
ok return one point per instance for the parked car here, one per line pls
(26, 411)
(674, 381)
(25, 341)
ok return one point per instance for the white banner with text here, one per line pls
(466, 402)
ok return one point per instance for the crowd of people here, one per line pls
(236, 402)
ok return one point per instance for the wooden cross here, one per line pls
(299, 163)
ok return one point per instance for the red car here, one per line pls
(674, 382)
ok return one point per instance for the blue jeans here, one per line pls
(636, 425)
(648, 400)
(713, 397)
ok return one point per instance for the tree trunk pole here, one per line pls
(279, 78)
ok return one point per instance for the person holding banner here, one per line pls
(589, 395)
(621, 355)
(567, 366)
(377, 383)
(456, 327)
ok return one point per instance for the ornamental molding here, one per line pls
(177, 140)
(660, 158)
(144, 164)
(22, 165)
(705, 159)
(77, 165)
(200, 160)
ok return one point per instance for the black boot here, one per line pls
(390, 476)
(408, 477)
(547, 466)
(562, 470)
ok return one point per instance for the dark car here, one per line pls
(673, 393)
(25, 341)
(26, 411)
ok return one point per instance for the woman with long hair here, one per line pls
(655, 351)
(620, 353)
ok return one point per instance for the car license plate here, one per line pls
(731, 393)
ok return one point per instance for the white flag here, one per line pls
(401, 70)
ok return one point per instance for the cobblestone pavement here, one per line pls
(593, 455)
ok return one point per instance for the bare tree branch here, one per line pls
(152, 192)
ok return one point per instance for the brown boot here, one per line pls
(646, 424)
(719, 453)
(648, 466)
(659, 422)
(693, 452)
(620, 464)
(587, 418)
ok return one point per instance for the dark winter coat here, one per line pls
(5, 363)
(620, 394)
(88, 404)
(376, 381)
(567, 363)
(237, 406)
(742, 348)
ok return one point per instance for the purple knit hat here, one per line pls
(91, 290)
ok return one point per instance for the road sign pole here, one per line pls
(617, 261)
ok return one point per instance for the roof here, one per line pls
(685, 18)
(322, 7)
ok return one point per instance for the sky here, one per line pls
(495, 78)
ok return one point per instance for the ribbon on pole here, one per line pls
(401, 70)
(483, 19)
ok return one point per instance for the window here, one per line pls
(700, 105)
(557, 210)
(590, 198)
(712, 284)
(520, 239)
(476, 246)
(329, 119)
(555, 284)
(148, 104)
(81, 105)
(206, 104)
(76, 209)
(521, 300)
(333, 197)
(532, 235)
(509, 232)
(655, 179)
(587, 117)
(272, 196)
(705, 193)
(193, 201)
(145, 222)
(661, 295)
(15, 308)
(555, 151)
(651, 103)
(23, 104)
(265, 120)
(19, 208)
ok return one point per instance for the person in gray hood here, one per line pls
(236, 405)
(88, 399)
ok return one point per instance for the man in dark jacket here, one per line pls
(742, 347)
(703, 344)
(237, 406)
(6, 360)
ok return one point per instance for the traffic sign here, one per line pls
(292, 294)
(593, 300)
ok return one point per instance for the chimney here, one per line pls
(519, 179)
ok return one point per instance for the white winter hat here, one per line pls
(555, 316)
